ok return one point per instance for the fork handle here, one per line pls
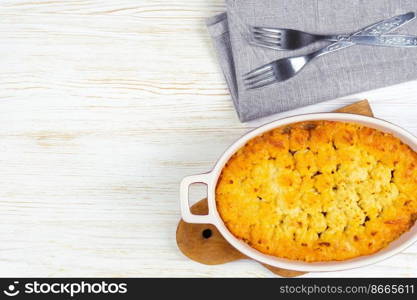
(334, 37)
(328, 49)
(376, 29)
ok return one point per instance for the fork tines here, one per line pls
(266, 30)
(266, 36)
(259, 77)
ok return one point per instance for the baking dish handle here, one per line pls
(186, 213)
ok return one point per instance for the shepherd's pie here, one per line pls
(319, 191)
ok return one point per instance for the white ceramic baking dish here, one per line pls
(213, 217)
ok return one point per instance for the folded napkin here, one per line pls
(348, 71)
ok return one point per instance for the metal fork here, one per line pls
(288, 39)
(285, 68)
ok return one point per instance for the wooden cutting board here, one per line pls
(203, 243)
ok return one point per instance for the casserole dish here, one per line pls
(213, 217)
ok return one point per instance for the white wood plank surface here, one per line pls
(104, 107)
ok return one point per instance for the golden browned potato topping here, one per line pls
(319, 191)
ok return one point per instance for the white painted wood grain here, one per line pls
(104, 107)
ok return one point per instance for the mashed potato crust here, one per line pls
(319, 191)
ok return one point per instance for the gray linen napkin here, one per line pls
(349, 71)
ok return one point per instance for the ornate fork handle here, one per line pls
(384, 27)
(376, 29)
(397, 40)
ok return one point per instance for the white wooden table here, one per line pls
(104, 107)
